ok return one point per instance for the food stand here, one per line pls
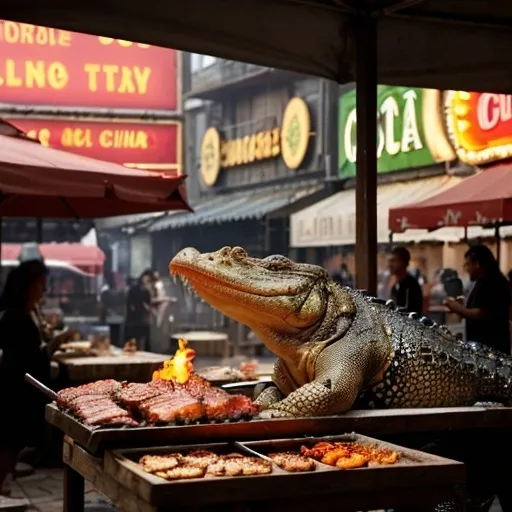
(106, 458)
(108, 426)
(427, 479)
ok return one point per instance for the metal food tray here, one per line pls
(415, 470)
(377, 422)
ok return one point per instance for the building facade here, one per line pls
(428, 140)
(255, 153)
(98, 97)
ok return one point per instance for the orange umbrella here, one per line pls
(37, 181)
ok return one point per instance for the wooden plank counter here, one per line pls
(137, 367)
(376, 423)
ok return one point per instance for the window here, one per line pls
(198, 62)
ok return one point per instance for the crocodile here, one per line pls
(339, 348)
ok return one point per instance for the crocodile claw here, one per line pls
(269, 414)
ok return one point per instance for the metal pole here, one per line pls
(331, 136)
(1, 243)
(39, 230)
(498, 243)
(366, 167)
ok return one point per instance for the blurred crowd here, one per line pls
(144, 303)
(479, 303)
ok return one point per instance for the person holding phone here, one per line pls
(487, 309)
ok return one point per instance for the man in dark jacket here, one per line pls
(487, 308)
(406, 291)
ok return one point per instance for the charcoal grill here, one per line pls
(375, 422)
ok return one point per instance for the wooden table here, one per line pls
(425, 480)
(137, 367)
(206, 343)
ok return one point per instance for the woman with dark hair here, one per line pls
(487, 309)
(22, 351)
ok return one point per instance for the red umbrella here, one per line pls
(37, 181)
(480, 200)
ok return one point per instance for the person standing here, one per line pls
(487, 309)
(23, 351)
(406, 291)
(139, 310)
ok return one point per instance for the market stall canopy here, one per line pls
(38, 181)
(450, 44)
(78, 255)
(87, 259)
(332, 221)
(484, 199)
(57, 266)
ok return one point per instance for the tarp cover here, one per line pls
(480, 200)
(37, 181)
(444, 44)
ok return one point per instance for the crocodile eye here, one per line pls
(277, 262)
(238, 252)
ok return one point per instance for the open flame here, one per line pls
(178, 368)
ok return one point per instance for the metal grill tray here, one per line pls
(376, 422)
(415, 470)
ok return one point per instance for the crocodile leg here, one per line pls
(342, 370)
(283, 385)
(312, 399)
(269, 396)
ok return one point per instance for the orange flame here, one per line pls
(178, 368)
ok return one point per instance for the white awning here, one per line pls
(332, 222)
(449, 234)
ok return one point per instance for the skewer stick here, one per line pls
(246, 383)
(244, 448)
(40, 387)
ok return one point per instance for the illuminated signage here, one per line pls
(410, 130)
(46, 66)
(479, 125)
(135, 144)
(290, 142)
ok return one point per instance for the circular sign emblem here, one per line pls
(210, 156)
(295, 133)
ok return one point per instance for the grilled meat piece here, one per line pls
(318, 450)
(98, 409)
(155, 463)
(197, 463)
(89, 408)
(113, 416)
(219, 403)
(133, 394)
(241, 405)
(165, 386)
(195, 385)
(158, 401)
(102, 387)
(200, 458)
(182, 473)
(293, 462)
(78, 403)
(239, 465)
(168, 408)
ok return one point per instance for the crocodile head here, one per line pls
(285, 303)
